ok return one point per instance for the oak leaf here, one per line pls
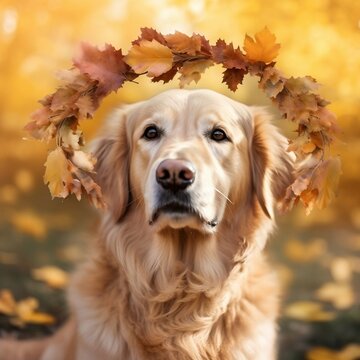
(263, 48)
(151, 57)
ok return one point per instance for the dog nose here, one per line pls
(175, 174)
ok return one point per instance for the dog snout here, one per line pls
(174, 174)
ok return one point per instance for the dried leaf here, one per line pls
(52, 276)
(192, 70)
(57, 173)
(263, 48)
(83, 160)
(233, 77)
(151, 57)
(179, 42)
(107, 66)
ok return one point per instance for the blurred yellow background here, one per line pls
(320, 38)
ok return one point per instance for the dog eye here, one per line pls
(218, 135)
(151, 133)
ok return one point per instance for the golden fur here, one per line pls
(179, 287)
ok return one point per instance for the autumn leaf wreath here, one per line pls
(98, 72)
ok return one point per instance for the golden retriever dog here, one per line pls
(177, 271)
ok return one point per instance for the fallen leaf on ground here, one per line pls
(340, 295)
(303, 252)
(24, 311)
(349, 352)
(341, 270)
(308, 311)
(29, 223)
(24, 180)
(52, 276)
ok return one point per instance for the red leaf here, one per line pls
(233, 77)
(106, 66)
(149, 34)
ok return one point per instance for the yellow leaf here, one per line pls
(340, 295)
(23, 311)
(301, 252)
(24, 180)
(341, 269)
(38, 318)
(321, 353)
(263, 48)
(52, 276)
(308, 311)
(29, 223)
(57, 173)
(192, 70)
(151, 57)
(7, 303)
(350, 352)
(8, 194)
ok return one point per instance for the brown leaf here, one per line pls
(179, 42)
(192, 70)
(83, 161)
(272, 82)
(228, 56)
(106, 66)
(301, 85)
(149, 34)
(166, 77)
(263, 48)
(233, 77)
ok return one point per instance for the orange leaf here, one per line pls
(52, 276)
(57, 174)
(28, 222)
(263, 48)
(183, 43)
(151, 57)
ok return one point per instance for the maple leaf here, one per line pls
(192, 70)
(179, 42)
(149, 34)
(228, 56)
(233, 77)
(106, 66)
(151, 57)
(57, 174)
(263, 48)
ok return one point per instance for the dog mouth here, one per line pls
(177, 211)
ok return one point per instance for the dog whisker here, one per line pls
(217, 190)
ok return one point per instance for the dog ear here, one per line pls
(271, 164)
(112, 167)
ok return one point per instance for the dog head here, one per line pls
(188, 159)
